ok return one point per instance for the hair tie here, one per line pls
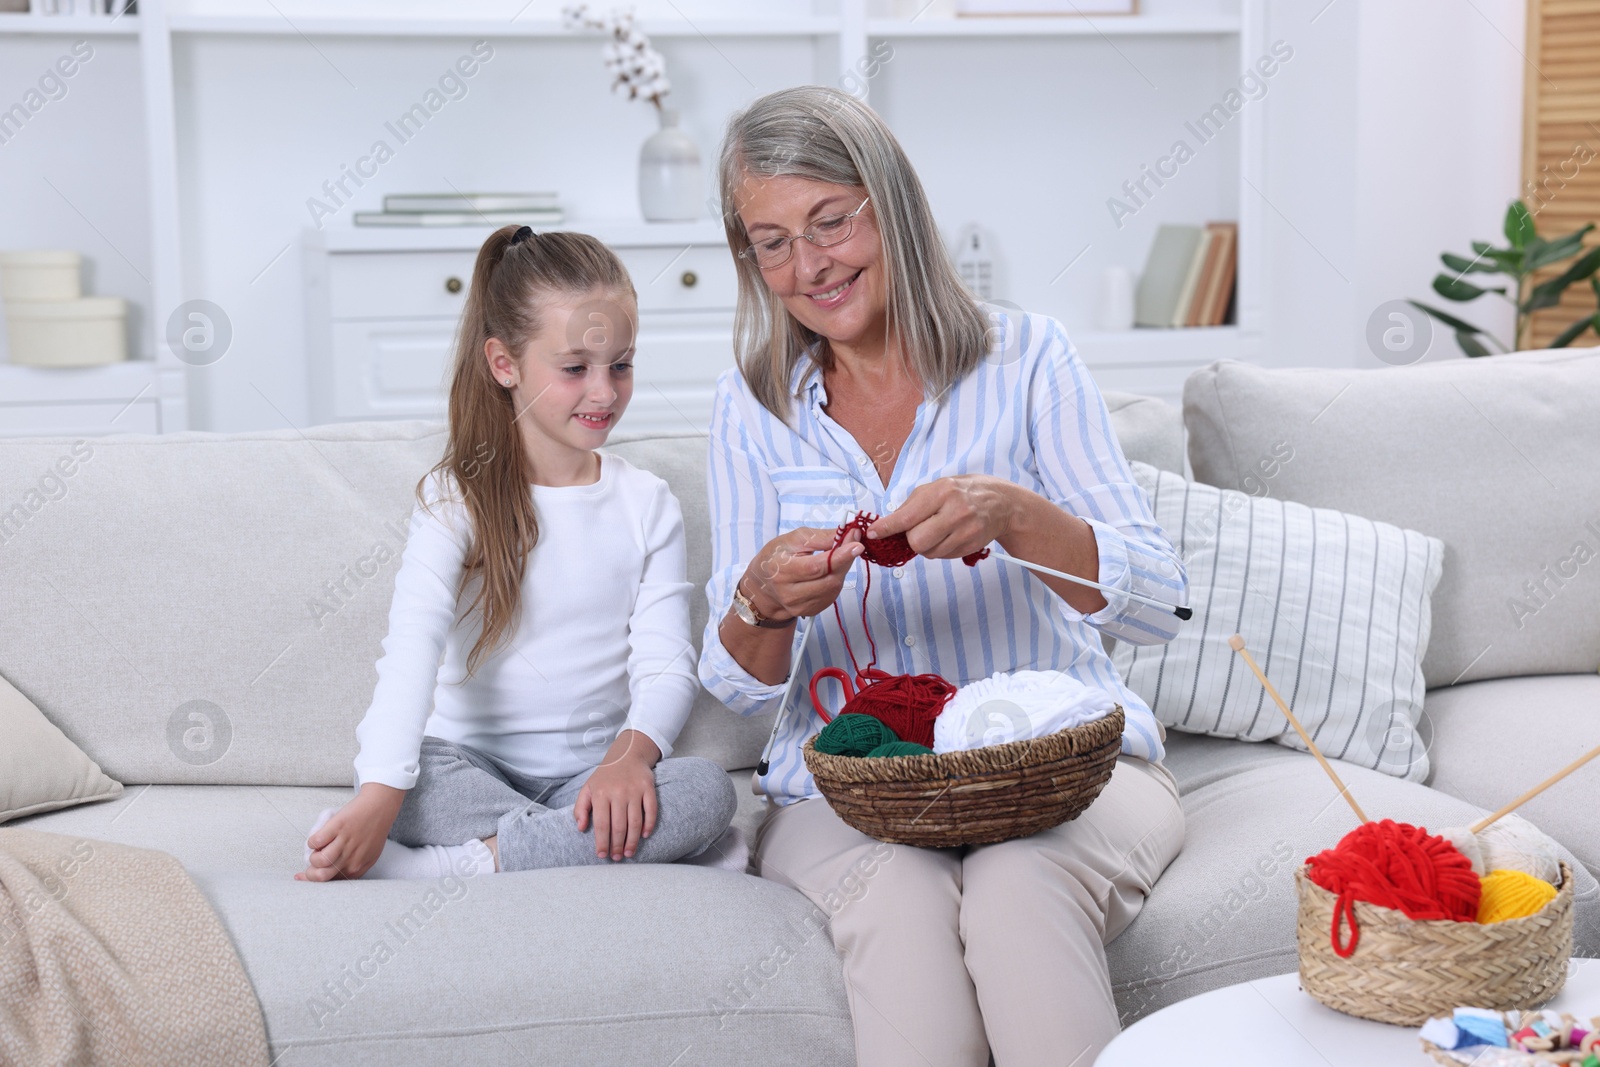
(522, 234)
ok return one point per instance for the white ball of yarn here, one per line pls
(1512, 843)
(1016, 706)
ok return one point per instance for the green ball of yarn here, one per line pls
(853, 735)
(901, 748)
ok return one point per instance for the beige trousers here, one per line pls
(949, 953)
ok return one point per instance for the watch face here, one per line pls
(743, 611)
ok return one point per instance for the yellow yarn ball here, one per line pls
(1512, 895)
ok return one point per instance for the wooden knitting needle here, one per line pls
(1237, 644)
(1180, 612)
(1488, 820)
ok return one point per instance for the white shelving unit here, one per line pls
(139, 395)
(33, 400)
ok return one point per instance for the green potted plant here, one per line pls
(1526, 253)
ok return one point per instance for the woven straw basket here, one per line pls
(976, 797)
(1406, 971)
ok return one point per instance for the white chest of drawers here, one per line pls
(383, 306)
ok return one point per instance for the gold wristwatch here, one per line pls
(745, 608)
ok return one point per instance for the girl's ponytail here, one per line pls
(515, 272)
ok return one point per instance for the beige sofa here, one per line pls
(202, 613)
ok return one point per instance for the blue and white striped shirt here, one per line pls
(1029, 413)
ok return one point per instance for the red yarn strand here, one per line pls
(906, 703)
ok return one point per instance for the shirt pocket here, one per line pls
(813, 496)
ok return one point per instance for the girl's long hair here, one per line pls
(483, 456)
(826, 135)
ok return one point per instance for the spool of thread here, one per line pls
(853, 735)
(901, 748)
(1512, 895)
(1399, 866)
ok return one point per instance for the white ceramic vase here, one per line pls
(669, 173)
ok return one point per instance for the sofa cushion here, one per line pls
(1148, 428)
(40, 770)
(1334, 608)
(1494, 740)
(1225, 909)
(1494, 456)
(209, 608)
(673, 963)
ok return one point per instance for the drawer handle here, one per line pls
(690, 278)
(452, 285)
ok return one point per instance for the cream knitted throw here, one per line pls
(110, 955)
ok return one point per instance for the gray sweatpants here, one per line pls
(462, 794)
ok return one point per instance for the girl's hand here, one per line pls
(621, 796)
(954, 516)
(791, 577)
(348, 844)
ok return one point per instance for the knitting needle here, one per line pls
(806, 625)
(1478, 827)
(1237, 644)
(1180, 612)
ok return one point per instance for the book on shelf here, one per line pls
(1165, 271)
(1219, 295)
(425, 203)
(544, 217)
(1188, 277)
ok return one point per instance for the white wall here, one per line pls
(1397, 138)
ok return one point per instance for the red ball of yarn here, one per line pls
(905, 703)
(1395, 865)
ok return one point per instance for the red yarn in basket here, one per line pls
(1395, 865)
(906, 703)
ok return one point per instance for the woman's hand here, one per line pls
(621, 796)
(954, 516)
(348, 844)
(791, 576)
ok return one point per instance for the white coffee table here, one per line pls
(1271, 1020)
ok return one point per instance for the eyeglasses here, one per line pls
(825, 232)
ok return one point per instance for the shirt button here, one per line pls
(861, 460)
(898, 572)
(910, 640)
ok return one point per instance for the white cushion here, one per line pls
(40, 769)
(1493, 456)
(1333, 607)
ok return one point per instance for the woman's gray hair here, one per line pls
(825, 135)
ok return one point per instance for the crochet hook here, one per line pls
(1479, 826)
(805, 625)
(1237, 644)
(1180, 612)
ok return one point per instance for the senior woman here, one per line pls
(869, 379)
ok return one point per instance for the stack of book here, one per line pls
(465, 209)
(1189, 276)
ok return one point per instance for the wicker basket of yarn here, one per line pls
(972, 797)
(1405, 971)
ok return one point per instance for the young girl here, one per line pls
(539, 739)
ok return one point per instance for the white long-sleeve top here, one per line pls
(1029, 413)
(602, 643)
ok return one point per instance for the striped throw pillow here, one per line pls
(1333, 607)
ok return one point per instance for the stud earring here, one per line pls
(508, 381)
